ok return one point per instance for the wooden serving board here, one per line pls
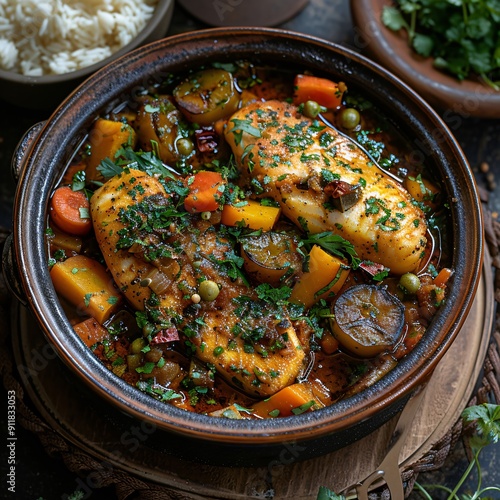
(109, 436)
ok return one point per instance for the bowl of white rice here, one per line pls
(47, 47)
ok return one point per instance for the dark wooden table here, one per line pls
(41, 476)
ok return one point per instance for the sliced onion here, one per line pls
(136, 248)
(170, 267)
(159, 283)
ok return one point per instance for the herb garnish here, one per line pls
(334, 244)
(462, 36)
(241, 126)
(146, 161)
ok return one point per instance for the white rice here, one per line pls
(43, 37)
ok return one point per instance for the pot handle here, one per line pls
(23, 146)
(10, 270)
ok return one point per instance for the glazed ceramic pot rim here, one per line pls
(43, 165)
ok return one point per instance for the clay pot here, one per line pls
(43, 156)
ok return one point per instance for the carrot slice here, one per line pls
(205, 190)
(443, 276)
(69, 210)
(321, 90)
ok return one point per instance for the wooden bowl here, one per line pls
(218, 440)
(447, 94)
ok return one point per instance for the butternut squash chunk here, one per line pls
(292, 400)
(106, 138)
(252, 215)
(85, 283)
(325, 277)
(90, 331)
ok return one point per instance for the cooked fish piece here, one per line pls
(302, 162)
(251, 343)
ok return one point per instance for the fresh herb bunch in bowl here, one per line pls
(446, 51)
(462, 36)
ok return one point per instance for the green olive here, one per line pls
(185, 146)
(311, 109)
(148, 329)
(410, 283)
(208, 290)
(349, 118)
(134, 361)
(137, 345)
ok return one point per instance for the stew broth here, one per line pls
(220, 244)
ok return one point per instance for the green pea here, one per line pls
(137, 345)
(208, 290)
(410, 283)
(349, 118)
(185, 146)
(311, 109)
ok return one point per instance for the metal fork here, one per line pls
(388, 469)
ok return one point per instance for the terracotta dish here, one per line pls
(389, 48)
(45, 153)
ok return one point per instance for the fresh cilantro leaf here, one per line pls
(393, 19)
(268, 293)
(109, 169)
(303, 408)
(461, 36)
(146, 368)
(423, 44)
(326, 494)
(241, 126)
(146, 161)
(487, 418)
(334, 244)
(78, 181)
